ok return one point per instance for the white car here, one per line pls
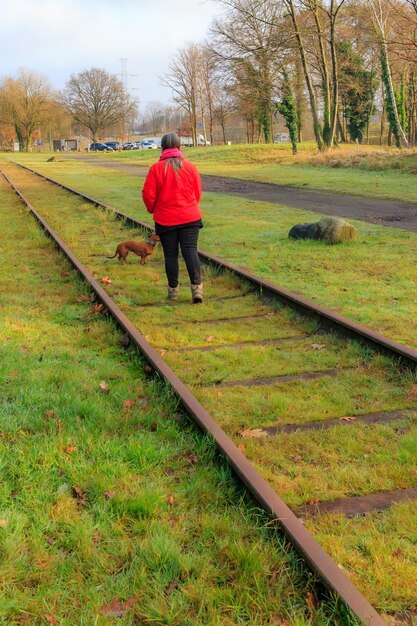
(147, 145)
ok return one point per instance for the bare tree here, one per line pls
(97, 100)
(183, 78)
(25, 102)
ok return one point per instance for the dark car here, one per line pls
(99, 147)
(114, 145)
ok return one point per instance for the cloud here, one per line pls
(61, 37)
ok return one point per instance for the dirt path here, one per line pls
(376, 211)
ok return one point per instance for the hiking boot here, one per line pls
(173, 293)
(197, 293)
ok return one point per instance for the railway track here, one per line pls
(288, 389)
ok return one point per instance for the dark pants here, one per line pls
(187, 238)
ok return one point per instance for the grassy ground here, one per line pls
(358, 170)
(340, 462)
(111, 506)
(371, 281)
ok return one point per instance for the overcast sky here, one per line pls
(62, 37)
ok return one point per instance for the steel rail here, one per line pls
(327, 318)
(314, 555)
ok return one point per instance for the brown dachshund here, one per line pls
(141, 248)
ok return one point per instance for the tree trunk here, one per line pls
(312, 97)
(400, 138)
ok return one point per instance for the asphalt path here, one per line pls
(395, 214)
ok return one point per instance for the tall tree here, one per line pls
(25, 102)
(381, 15)
(97, 100)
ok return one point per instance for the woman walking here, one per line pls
(171, 192)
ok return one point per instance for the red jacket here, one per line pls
(172, 197)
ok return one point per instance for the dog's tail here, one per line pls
(111, 257)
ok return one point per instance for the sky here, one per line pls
(58, 38)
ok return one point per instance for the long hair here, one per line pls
(171, 140)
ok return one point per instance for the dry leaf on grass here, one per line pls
(64, 274)
(50, 414)
(110, 494)
(70, 449)
(97, 308)
(129, 404)
(79, 495)
(106, 280)
(170, 500)
(254, 433)
(348, 418)
(311, 602)
(318, 346)
(170, 588)
(209, 338)
(3, 523)
(117, 607)
(104, 388)
(51, 619)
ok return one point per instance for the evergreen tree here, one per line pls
(357, 87)
(288, 109)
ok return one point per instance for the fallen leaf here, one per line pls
(97, 308)
(314, 501)
(129, 404)
(14, 373)
(82, 298)
(170, 588)
(298, 459)
(348, 418)
(51, 541)
(170, 500)
(70, 449)
(79, 495)
(63, 274)
(192, 458)
(311, 602)
(106, 280)
(209, 338)
(50, 414)
(3, 523)
(96, 536)
(241, 447)
(117, 607)
(51, 619)
(104, 388)
(318, 346)
(110, 494)
(255, 433)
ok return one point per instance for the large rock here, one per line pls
(328, 229)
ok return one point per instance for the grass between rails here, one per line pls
(372, 281)
(321, 472)
(100, 500)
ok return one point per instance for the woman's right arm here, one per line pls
(149, 191)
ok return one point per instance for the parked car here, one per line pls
(127, 146)
(99, 147)
(147, 145)
(115, 145)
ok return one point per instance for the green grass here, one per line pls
(346, 461)
(98, 501)
(372, 281)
